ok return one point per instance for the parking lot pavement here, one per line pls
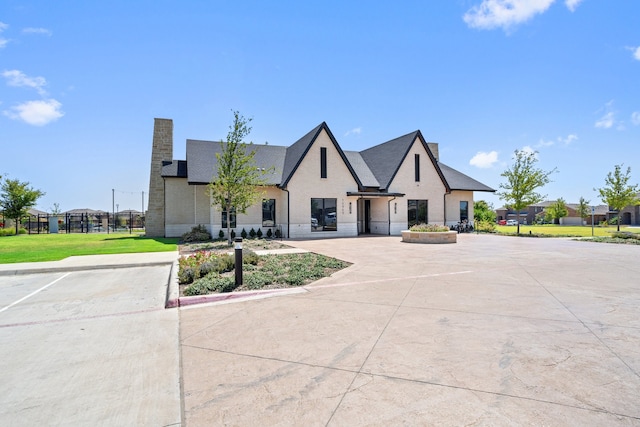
(89, 347)
(489, 331)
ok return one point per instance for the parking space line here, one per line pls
(34, 292)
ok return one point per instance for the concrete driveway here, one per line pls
(489, 331)
(87, 342)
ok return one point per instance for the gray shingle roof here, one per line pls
(373, 168)
(203, 165)
(459, 181)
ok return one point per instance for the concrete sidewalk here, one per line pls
(91, 262)
(489, 331)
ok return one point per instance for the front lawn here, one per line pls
(54, 247)
(564, 230)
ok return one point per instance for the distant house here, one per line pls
(629, 216)
(317, 189)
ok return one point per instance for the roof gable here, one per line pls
(385, 159)
(297, 152)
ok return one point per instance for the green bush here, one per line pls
(485, 226)
(259, 233)
(257, 280)
(249, 257)
(252, 233)
(197, 234)
(429, 228)
(209, 284)
(7, 231)
(221, 235)
(186, 274)
(243, 233)
(269, 233)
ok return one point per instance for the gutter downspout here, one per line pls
(389, 212)
(444, 202)
(288, 213)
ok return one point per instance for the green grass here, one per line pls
(54, 247)
(564, 230)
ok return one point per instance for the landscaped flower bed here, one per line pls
(429, 233)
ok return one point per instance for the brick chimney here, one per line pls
(433, 146)
(162, 151)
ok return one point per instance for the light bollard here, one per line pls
(238, 259)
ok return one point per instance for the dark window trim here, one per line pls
(323, 162)
(417, 166)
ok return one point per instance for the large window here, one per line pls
(418, 212)
(268, 212)
(323, 162)
(233, 218)
(464, 211)
(324, 215)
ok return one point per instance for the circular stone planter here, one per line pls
(429, 236)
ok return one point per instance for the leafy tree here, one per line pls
(557, 210)
(16, 198)
(617, 193)
(237, 182)
(523, 179)
(484, 216)
(583, 208)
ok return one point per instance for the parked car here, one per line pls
(512, 222)
(502, 222)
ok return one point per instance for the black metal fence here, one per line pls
(83, 223)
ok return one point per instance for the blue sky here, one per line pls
(81, 82)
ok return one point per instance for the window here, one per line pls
(417, 164)
(464, 211)
(418, 212)
(324, 215)
(323, 162)
(268, 212)
(233, 218)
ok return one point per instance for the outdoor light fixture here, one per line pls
(238, 258)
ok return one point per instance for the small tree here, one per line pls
(237, 183)
(16, 198)
(484, 216)
(557, 210)
(523, 179)
(617, 193)
(583, 208)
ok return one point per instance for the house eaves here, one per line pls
(297, 152)
(459, 181)
(385, 159)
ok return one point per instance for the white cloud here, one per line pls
(354, 131)
(608, 119)
(32, 30)
(543, 143)
(572, 5)
(569, 139)
(36, 113)
(18, 78)
(484, 160)
(636, 52)
(3, 41)
(635, 118)
(504, 13)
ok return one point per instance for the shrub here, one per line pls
(252, 233)
(485, 226)
(186, 275)
(243, 233)
(269, 234)
(429, 228)
(278, 233)
(221, 235)
(249, 257)
(626, 235)
(211, 283)
(257, 280)
(233, 234)
(259, 233)
(197, 234)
